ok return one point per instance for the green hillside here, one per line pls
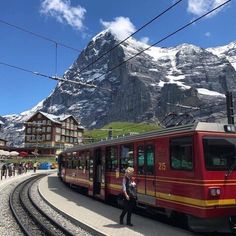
(118, 128)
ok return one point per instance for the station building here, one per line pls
(48, 134)
(3, 143)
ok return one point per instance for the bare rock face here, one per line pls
(142, 89)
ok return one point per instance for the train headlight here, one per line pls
(230, 128)
(214, 191)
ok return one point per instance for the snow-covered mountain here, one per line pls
(226, 52)
(144, 88)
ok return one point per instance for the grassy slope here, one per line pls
(119, 128)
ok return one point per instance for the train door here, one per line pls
(146, 172)
(149, 160)
(97, 174)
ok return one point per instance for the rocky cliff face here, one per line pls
(142, 89)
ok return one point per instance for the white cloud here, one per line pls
(144, 40)
(200, 7)
(121, 27)
(207, 34)
(64, 12)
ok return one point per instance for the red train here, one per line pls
(186, 171)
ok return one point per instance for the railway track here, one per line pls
(29, 216)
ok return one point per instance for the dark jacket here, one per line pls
(131, 188)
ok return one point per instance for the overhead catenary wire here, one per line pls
(163, 39)
(56, 59)
(197, 109)
(48, 76)
(39, 36)
(135, 32)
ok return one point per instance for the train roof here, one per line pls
(198, 126)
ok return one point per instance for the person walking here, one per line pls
(4, 171)
(129, 189)
(35, 166)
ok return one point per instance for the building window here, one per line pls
(58, 130)
(49, 129)
(63, 131)
(39, 116)
(28, 130)
(48, 137)
(49, 122)
(58, 138)
(63, 138)
(44, 129)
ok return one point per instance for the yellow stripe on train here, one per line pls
(193, 202)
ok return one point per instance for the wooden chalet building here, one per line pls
(3, 143)
(49, 134)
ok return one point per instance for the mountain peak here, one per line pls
(103, 34)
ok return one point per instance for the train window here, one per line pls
(140, 160)
(126, 157)
(219, 153)
(64, 163)
(181, 153)
(87, 160)
(82, 162)
(91, 169)
(69, 164)
(111, 157)
(150, 160)
(74, 164)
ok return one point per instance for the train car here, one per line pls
(186, 171)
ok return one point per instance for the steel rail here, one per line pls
(43, 224)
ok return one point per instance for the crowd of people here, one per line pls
(12, 169)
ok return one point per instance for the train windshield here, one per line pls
(219, 153)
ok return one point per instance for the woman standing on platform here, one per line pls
(130, 193)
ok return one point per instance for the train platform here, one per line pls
(97, 215)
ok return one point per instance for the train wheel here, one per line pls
(232, 223)
(179, 219)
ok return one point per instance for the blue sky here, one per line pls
(75, 22)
